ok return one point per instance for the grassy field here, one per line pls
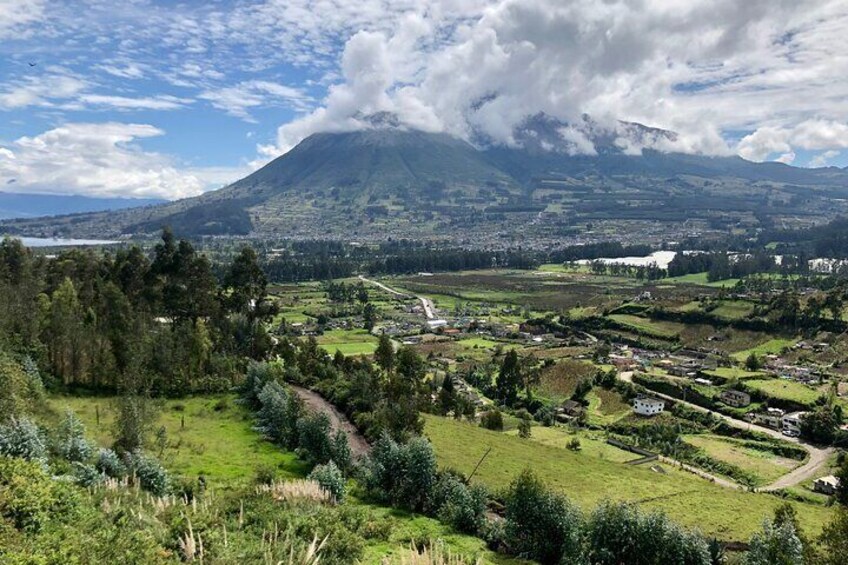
(666, 330)
(478, 343)
(700, 279)
(733, 309)
(766, 466)
(772, 346)
(606, 407)
(592, 445)
(782, 388)
(349, 342)
(587, 479)
(217, 441)
(734, 373)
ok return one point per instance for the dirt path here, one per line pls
(817, 456)
(338, 421)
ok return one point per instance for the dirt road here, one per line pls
(338, 421)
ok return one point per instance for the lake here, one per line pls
(60, 242)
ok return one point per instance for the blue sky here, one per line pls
(168, 99)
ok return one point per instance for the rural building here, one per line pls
(623, 363)
(792, 423)
(573, 408)
(826, 485)
(645, 406)
(735, 398)
(771, 418)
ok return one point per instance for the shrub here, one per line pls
(775, 545)
(265, 475)
(617, 531)
(459, 505)
(109, 464)
(314, 442)
(524, 428)
(259, 375)
(30, 498)
(86, 475)
(278, 415)
(492, 420)
(149, 473)
(135, 415)
(331, 479)
(403, 474)
(341, 454)
(541, 525)
(71, 444)
(22, 438)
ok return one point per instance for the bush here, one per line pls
(617, 531)
(30, 498)
(492, 420)
(403, 474)
(149, 473)
(265, 475)
(459, 505)
(775, 545)
(341, 453)
(71, 444)
(22, 438)
(86, 475)
(314, 439)
(109, 464)
(541, 525)
(330, 477)
(278, 415)
(259, 375)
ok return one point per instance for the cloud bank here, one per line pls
(701, 68)
(96, 160)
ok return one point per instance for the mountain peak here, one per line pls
(380, 120)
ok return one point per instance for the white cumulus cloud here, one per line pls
(95, 159)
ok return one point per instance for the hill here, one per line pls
(555, 180)
(19, 205)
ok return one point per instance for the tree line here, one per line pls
(128, 320)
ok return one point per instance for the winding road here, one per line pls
(817, 456)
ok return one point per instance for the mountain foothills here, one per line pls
(389, 180)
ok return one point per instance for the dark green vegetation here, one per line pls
(391, 181)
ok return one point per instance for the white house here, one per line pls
(645, 406)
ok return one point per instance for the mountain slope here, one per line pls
(556, 179)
